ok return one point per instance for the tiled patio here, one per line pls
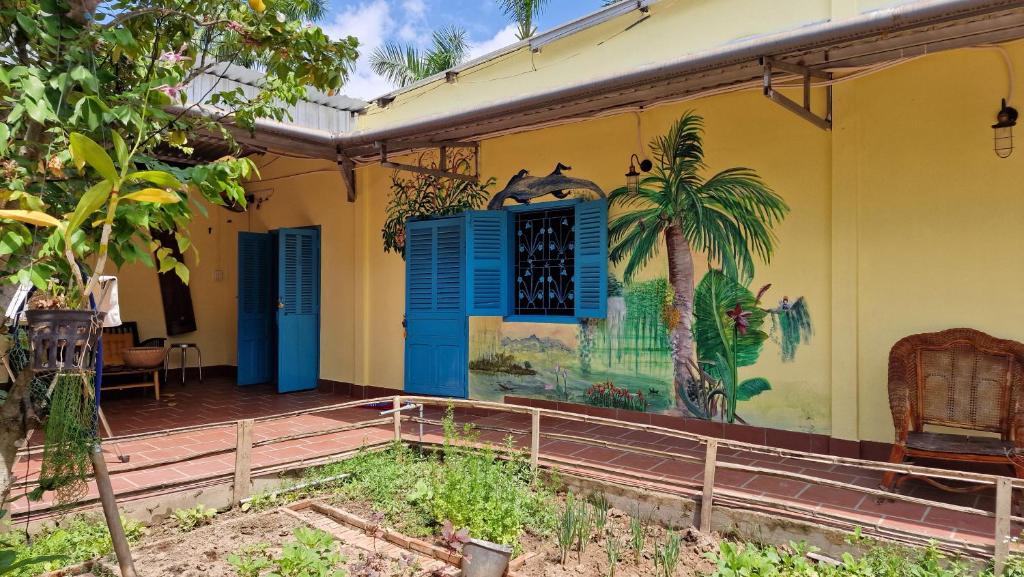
(218, 403)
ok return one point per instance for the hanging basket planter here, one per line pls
(63, 339)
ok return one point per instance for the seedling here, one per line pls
(612, 548)
(454, 538)
(567, 526)
(584, 527)
(666, 556)
(189, 519)
(637, 536)
(600, 512)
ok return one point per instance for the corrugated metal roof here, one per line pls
(317, 110)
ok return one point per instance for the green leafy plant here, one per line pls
(10, 564)
(313, 553)
(637, 537)
(189, 519)
(666, 556)
(494, 497)
(251, 562)
(426, 195)
(75, 540)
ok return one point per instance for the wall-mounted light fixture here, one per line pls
(633, 177)
(1002, 136)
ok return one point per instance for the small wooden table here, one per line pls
(148, 378)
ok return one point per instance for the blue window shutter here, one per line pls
(592, 259)
(487, 280)
(419, 266)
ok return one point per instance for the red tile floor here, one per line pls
(220, 401)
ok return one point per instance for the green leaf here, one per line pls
(84, 150)
(157, 177)
(751, 388)
(82, 75)
(182, 272)
(13, 237)
(91, 201)
(5, 135)
(120, 149)
(156, 195)
(713, 331)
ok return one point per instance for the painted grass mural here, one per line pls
(671, 343)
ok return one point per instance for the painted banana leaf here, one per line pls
(713, 333)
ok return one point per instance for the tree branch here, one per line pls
(121, 18)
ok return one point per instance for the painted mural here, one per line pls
(672, 342)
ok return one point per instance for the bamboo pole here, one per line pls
(396, 405)
(110, 512)
(243, 462)
(981, 478)
(535, 439)
(707, 495)
(1004, 493)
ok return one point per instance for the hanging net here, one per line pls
(69, 436)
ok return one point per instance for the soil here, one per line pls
(544, 556)
(204, 551)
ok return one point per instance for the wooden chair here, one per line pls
(960, 378)
(116, 340)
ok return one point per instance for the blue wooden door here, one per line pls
(437, 341)
(298, 309)
(255, 308)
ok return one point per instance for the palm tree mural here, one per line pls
(727, 217)
(404, 64)
(523, 13)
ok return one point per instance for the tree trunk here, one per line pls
(15, 421)
(680, 276)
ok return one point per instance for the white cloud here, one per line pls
(372, 23)
(501, 39)
(375, 22)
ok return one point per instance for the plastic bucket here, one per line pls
(485, 559)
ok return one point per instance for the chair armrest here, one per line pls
(899, 397)
(899, 404)
(153, 342)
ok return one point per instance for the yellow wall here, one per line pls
(673, 30)
(902, 220)
(213, 292)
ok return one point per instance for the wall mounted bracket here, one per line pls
(348, 174)
(806, 74)
(442, 164)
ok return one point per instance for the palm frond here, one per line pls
(523, 13)
(312, 10)
(400, 65)
(635, 238)
(449, 50)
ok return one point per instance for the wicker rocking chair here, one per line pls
(959, 378)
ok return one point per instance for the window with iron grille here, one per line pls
(544, 262)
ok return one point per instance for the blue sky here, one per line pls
(374, 22)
